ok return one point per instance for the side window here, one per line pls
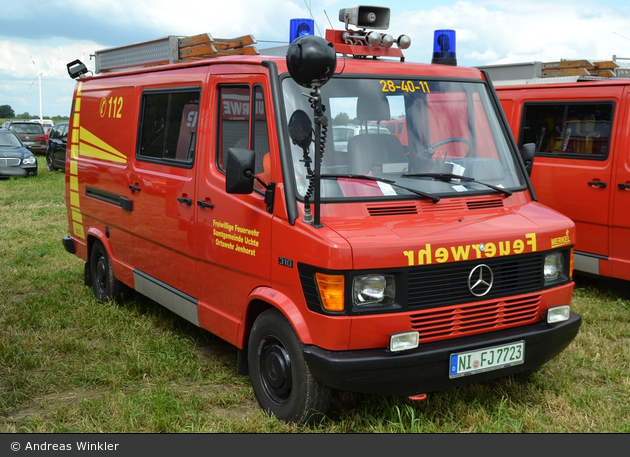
(168, 122)
(234, 117)
(243, 124)
(568, 129)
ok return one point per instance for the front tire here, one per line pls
(49, 162)
(282, 381)
(106, 286)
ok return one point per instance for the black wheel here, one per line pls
(280, 376)
(106, 286)
(49, 162)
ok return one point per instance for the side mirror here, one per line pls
(527, 153)
(239, 173)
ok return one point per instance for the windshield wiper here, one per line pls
(446, 177)
(433, 198)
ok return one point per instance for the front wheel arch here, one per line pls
(263, 298)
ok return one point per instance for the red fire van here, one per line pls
(580, 128)
(210, 187)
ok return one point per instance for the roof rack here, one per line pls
(560, 71)
(171, 49)
(605, 69)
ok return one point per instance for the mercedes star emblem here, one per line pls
(480, 280)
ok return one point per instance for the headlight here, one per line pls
(554, 267)
(373, 290)
(29, 160)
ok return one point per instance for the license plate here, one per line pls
(487, 359)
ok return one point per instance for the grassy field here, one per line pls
(69, 363)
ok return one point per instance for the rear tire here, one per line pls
(282, 381)
(106, 286)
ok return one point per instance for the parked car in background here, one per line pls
(56, 149)
(15, 158)
(343, 133)
(31, 134)
(47, 124)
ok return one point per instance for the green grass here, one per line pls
(69, 363)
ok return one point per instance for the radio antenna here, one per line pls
(310, 11)
(331, 26)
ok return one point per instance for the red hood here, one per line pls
(451, 234)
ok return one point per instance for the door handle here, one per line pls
(203, 204)
(623, 186)
(185, 201)
(597, 184)
(134, 188)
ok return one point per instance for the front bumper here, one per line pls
(426, 368)
(19, 171)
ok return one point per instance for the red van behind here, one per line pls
(580, 127)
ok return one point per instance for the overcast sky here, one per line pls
(45, 36)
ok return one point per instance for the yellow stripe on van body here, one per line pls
(77, 216)
(92, 146)
(78, 230)
(74, 183)
(87, 150)
(74, 199)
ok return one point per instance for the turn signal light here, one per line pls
(331, 291)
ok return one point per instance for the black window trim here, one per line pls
(589, 157)
(164, 90)
(219, 114)
(251, 88)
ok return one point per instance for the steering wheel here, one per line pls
(430, 149)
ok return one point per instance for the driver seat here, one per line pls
(367, 152)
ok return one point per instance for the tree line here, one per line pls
(6, 112)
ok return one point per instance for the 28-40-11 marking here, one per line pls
(405, 86)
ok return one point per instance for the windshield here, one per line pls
(9, 140)
(393, 138)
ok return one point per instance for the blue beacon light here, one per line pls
(301, 27)
(444, 47)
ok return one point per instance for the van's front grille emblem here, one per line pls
(480, 280)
